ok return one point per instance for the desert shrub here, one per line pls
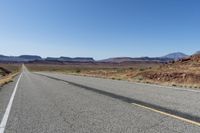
(195, 87)
(140, 78)
(141, 69)
(130, 68)
(78, 71)
(174, 85)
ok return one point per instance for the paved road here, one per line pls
(182, 100)
(48, 105)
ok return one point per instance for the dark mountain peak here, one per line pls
(22, 58)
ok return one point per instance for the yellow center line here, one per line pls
(167, 114)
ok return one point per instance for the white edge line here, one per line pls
(7, 112)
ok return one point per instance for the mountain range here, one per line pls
(31, 58)
(166, 58)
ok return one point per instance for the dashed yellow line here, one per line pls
(167, 114)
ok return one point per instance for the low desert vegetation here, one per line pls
(112, 71)
(11, 67)
(8, 72)
(7, 79)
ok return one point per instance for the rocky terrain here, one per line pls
(184, 72)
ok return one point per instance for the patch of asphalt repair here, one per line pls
(131, 100)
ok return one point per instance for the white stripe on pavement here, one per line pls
(6, 114)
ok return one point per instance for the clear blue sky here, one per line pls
(99, 28)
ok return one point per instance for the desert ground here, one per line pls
(119, 71)
(181, 73)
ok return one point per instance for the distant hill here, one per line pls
(176, 56)
(10, 59)
(68, 59)
(166, 58)
(31, 58)
(35, 58)
(129, 59)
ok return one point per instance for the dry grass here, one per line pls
(7, 79)
(119, 72)
(11, 71)
(13, 68)
(89, 66)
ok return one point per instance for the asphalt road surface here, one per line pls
(56, 103)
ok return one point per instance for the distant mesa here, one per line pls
(22, 58)
(30, 57)
(68, 59)
(4, 58)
